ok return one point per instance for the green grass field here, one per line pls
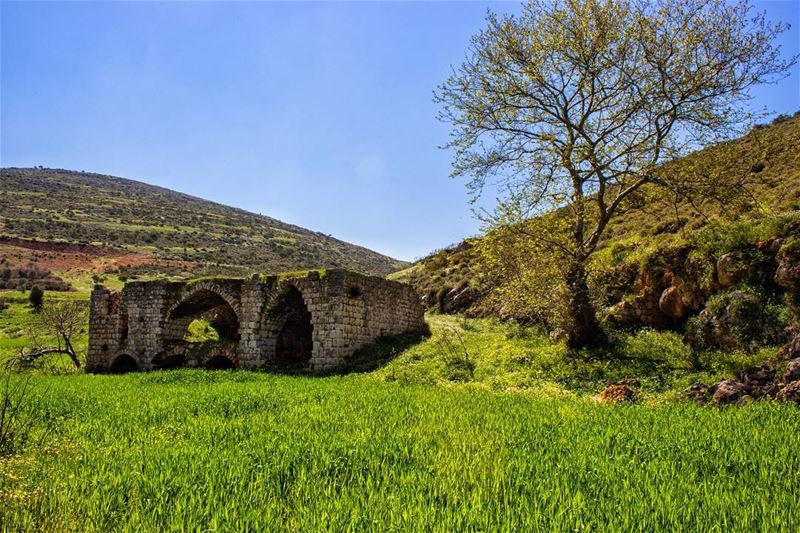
(237, 451)
(478, 426)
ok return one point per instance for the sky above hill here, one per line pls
(318, 114)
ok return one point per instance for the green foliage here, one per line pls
(723, 238)
(36, 298)
(738, 320)
(503, 270)
(507, 357)
(200, 330)
(200, 450)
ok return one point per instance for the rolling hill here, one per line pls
(61, 224)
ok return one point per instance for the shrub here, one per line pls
(36, 298)
(737, 320)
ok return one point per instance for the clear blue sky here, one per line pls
(319, 114)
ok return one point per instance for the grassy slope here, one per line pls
(148, 229)
(638, 233)
(234, 451)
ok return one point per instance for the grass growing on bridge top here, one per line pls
(234, 451)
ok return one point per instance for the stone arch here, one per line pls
(288, 329)
(221, 310)
(168, 361)
(209, 302)
(219, 362)
(122, 364)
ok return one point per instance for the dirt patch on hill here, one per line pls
(58, 256)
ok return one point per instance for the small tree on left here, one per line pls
(53, 331)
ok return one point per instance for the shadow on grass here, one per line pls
(379, 353)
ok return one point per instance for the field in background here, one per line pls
(232, 450)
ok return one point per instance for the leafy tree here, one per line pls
(574, 105)
(36, 298)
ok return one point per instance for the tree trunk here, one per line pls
(583, 329)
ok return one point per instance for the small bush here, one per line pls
(738, 320)
(36, 298)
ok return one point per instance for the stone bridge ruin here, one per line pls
(313, 321)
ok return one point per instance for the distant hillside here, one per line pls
(453, 279)
(80, 224)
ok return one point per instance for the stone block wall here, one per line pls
(324, 318)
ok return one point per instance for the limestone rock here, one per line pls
(770, 246)
(671, 303)
(790, 393)
(792, 349)
(622, 314)
(727, 392)
(758, 376)
(792, 371)
(698, 392)
(788, 273)
(731, 269)
(619, 392)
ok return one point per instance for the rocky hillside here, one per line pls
(78, 224)
(661, 263)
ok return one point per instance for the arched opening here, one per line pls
(293, 344)
(201, 325)
(122, 364)
(201, 330)
(164, 361)
(219, 362)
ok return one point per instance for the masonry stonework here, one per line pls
(310, 322)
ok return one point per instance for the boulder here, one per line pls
(698, 392)
(692, 296)
(727, 392)
(788, 273)
(792, 349)
(622, 315)
(671, 303)
(731, 269)
(790, 393)
(770, 247)
(618, 392)
(757, 376)
(458, 300)
(792, 371)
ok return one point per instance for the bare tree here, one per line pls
(576, 104)
(53, 331)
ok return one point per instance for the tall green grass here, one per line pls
(236, 451)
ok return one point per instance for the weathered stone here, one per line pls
(618, 392)
(671, 303)
(727, 391)
(788, 273)
(622, 315)
(792, 349)
(757, 376)
(698, 392)
(731, 269)
(311, 322)
(770, 247)
(792, 371)
(790, 393)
